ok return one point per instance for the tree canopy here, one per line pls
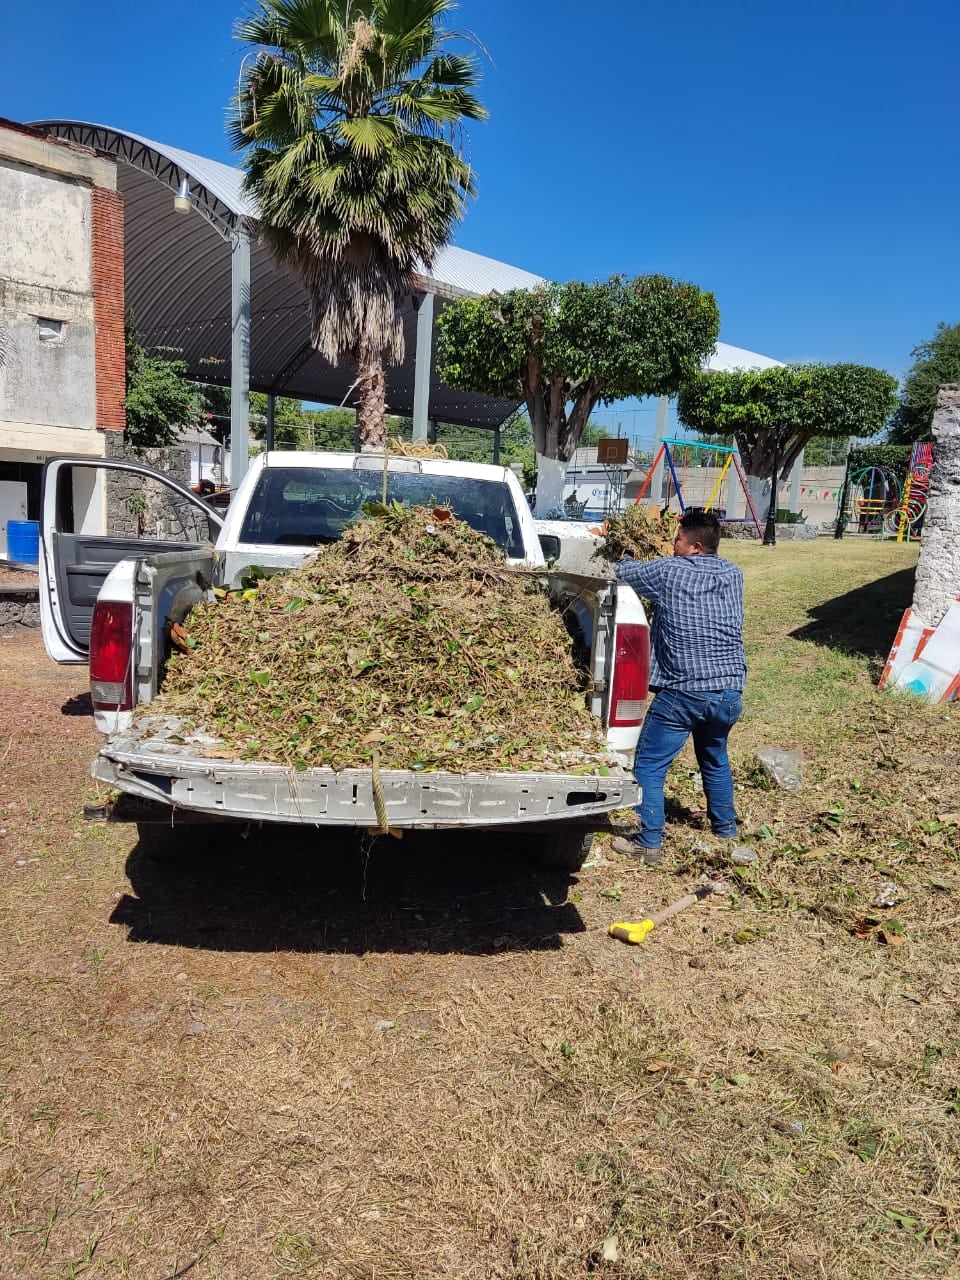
(159, 399)
(563, 348)
(349, 116)
(934, 363)
(794, 403)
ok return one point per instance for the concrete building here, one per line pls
(62, 379)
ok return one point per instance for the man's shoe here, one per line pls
(630, 849)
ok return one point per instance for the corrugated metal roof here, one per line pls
(457, 271)
(726, 358)
(178, 283)
(461, 272)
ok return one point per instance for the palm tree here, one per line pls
(350, 116)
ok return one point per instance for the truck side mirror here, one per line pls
(550, 546)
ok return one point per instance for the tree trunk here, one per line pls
(372, 397)
(938, 569)
(759, 487)
(756, 452)
(578, 419)
(550, 477)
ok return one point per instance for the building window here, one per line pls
(50, 331)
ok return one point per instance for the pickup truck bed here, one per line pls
(157, 761)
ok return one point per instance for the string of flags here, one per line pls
(822, 494)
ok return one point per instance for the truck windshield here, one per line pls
(306, 507)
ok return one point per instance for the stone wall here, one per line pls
(136, 510)
(19, 607)
(938, 569)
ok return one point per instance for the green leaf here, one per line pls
(260, 677)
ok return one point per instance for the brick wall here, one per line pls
(108, 309)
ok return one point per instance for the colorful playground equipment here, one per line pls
(731, 460)
(906, 522)
(873, 497)
(876, 493)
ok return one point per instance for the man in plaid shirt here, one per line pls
(697, 674)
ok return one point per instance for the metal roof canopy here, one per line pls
(179, 281)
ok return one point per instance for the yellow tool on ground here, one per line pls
(636, 931)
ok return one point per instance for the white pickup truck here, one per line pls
(109, 593)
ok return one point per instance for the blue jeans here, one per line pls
(671, 718)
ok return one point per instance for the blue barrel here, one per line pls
(23, 541)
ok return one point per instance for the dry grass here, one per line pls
(194, 1082)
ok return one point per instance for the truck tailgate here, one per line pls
(156, 761)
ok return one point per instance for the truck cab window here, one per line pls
(307, 507)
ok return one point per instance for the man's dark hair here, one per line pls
(702, 526)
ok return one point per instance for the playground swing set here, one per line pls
(731, 461)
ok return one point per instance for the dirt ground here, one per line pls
(429, 1060)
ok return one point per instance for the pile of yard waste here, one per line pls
(641, 532)
(409, 643)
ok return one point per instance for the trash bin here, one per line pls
(23, 541)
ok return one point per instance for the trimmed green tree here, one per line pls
(349, 117)
(777, 411)
(159, 400)
(564, 348)
(934, 363)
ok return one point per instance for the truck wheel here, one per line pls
(563, 850)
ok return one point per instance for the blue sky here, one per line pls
(800, 160)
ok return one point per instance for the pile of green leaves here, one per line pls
(637, 531)
(410, 640)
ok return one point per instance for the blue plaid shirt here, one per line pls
(696, 636)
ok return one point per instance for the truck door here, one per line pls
(93, 514)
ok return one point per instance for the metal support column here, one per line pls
(423, 361)
(496, 446)
(240, 357)
(271, 420)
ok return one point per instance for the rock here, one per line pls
(744, 855)
(796, 533)
(888, 895)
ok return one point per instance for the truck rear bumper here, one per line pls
(168, 773)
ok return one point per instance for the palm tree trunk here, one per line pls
(372, 391)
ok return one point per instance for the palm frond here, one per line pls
(368, 136)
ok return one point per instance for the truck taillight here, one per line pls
(111, 656)
(631, 675)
